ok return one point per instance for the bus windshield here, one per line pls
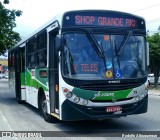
(122, 56)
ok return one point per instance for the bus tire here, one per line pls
(43, 107)
(19, 101)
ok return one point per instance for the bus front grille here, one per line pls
(112, 87)
(118, 100)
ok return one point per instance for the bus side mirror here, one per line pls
(58, 43)
(147, 48)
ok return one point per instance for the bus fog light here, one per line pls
(68, 95)
(76, 99)
(146, 91)
(85, 102)
(142, 95)
(137, 98)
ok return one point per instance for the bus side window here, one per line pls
(32, 53)
(42, 60)
(12, 60)
(42, 49)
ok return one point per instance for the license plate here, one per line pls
(113, 108)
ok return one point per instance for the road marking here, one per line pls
(5, 126)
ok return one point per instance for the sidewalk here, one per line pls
(154, 91)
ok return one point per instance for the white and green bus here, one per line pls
(84, 64)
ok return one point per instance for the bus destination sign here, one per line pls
(105, 21)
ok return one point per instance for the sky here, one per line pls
(38, 12)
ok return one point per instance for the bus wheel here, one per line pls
(19, 101)
(47, 117)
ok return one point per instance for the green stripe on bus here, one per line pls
(101, 95)
(22, 79)
(36, 82)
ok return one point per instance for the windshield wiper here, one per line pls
(117, 56)
(67, 54)
(95, 44)
(118, 51)
(124, 42)
(103, 56)
(98, 48)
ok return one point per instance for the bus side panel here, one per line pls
(34, 81)
(31, 88)
(27, 76)
(23, 87)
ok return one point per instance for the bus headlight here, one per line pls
(137, 98)
(84, 102)
(76, 99)
(146, 90)
(142, 94)
(68, 95)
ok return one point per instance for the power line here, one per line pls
(146, 8)
(149, 21)
(151, 31)
(153, 20)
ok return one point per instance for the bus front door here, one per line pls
(53, 75)
(20, 74)
(17, 76)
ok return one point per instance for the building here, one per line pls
(4, 62)
(3, 65)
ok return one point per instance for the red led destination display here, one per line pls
(105, 21)
(102, 18)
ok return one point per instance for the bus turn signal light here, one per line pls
(56, 88)
(65, 90)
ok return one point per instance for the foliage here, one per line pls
(154, 44)
(8, 37)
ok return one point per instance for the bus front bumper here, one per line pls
(72, 111)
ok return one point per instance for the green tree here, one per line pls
(154, 51)
(8, 37)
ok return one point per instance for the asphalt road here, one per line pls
(24, 117)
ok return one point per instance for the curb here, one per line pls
(154, 92)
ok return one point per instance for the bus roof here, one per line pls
(41, 28)
(58, 18)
